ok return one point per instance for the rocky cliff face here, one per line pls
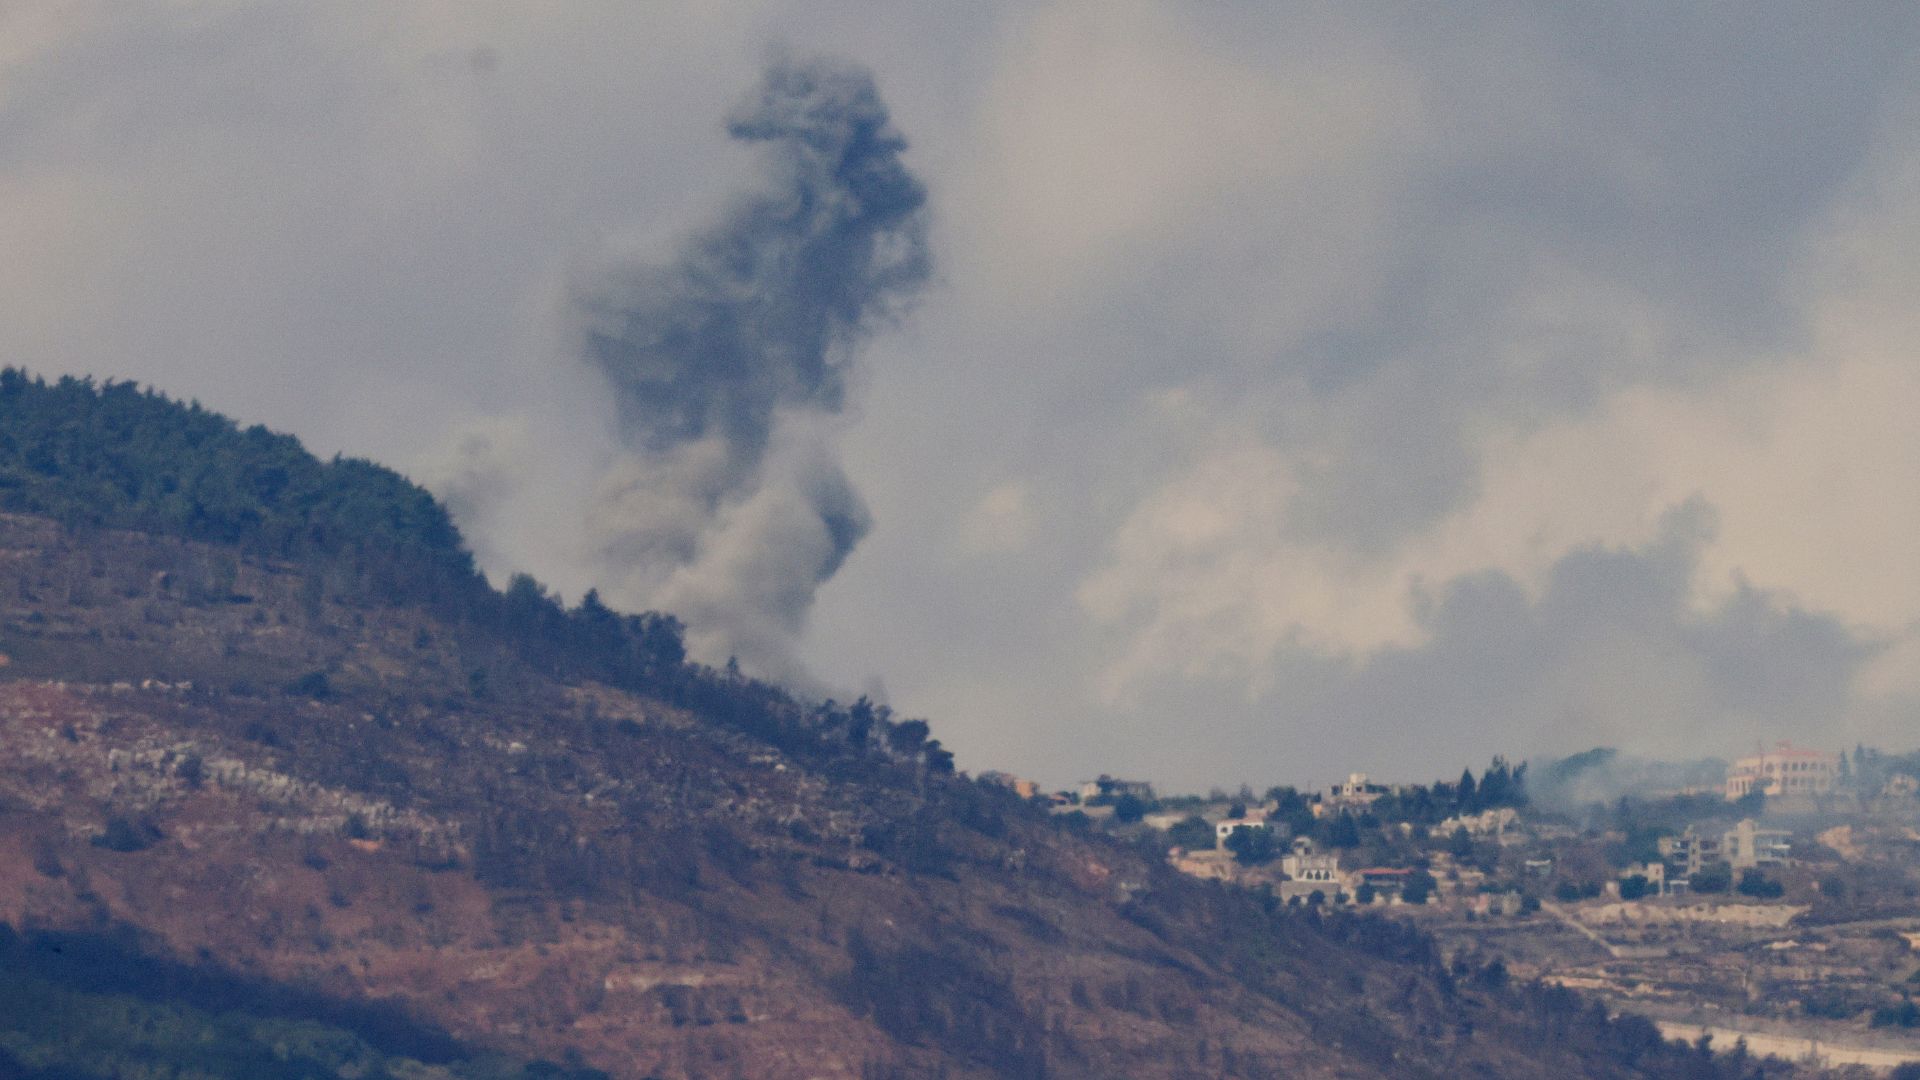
(256, 768)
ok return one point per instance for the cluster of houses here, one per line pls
(1746, 846)
(1095, 798)
(1304, 871)
(1300, 869)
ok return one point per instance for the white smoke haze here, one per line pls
(1603, 776)
(476, 469)
(653, 513)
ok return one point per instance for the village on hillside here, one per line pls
(1773, 899)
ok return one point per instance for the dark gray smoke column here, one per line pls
(731, 509)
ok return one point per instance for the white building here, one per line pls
(1655, 874)
(1109, 788)
(1225, 827)
(1747, 845)
(1784, 770)
(1305, 862)
(1742, 847)
(1357, 793)
(1492, 822)
(1691, 850)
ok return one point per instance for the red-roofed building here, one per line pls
(1386, 881)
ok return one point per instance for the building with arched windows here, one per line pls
(1784, 770)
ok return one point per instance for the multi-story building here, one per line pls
(1356, 794)
(1747, 845)
(1305, 862)
(1785, 770)
(1691, 850)
(1742, 847)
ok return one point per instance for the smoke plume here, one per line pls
(726, 363)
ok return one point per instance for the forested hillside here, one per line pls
(117, 456)
(113, 456)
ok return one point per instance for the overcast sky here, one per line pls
(1296, 389)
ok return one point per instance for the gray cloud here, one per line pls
(1514, 224)
(477, 472)
(753, 323)
(1594, 201)
(1614, 650)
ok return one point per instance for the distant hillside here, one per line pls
(238, 742)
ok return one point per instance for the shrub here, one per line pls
(122, 834)
(1905, 1014)
(1713, 878)
(314, 684)
(1419, 887)
(1252, 845)
(1192, 833)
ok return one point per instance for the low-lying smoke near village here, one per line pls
(1047, 540)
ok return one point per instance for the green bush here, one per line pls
(1904, 1014)
(1192, 833)
(123, 834)
(1420, 885)
(1253, 845)
(1712, 878)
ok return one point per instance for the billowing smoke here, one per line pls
(728, 362)
(1601, 776)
